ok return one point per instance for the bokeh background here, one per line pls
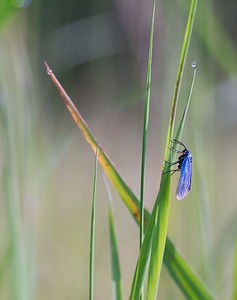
(98, 50)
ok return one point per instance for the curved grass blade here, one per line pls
(124, 191)
(92, 239)
(163, 198)
(127, 196)
(116, 274)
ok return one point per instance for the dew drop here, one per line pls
(194, 64)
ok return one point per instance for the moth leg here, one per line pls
(172, 164)
(175, 150)
(172, 172)
(178, 142)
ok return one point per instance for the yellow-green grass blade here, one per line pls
(92, 238)
(6, 11)
(108, 167)
(116, 273)
(128, 197)
(163, 198)
(234, 296)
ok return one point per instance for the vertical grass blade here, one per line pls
(12, 198)
(172, 258)
(6, 11)
(145, 122)
(5, 263)
(183, 119)
(163, 198)
(217, 40)
(234, 296)
(145, 127)
(92, 239)
(116, 274)
(139, 274)
(158, 242)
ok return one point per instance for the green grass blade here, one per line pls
(183, 55)
(6, 11)
(159, 240)
(190, 284)
(11, 194)
(116, 274)
(92, 239)
(218, 40)
(163, 198)
(139, 274)
(5, 263)
(145, 122)
(183, 119)
(186, 279)
(127, 196)
(181, 273)
(234, 296)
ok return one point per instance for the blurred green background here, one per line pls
(98, 50)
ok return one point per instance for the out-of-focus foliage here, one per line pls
(99, 51)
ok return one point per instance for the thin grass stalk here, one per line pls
(145, 127)
(145, 123)
(184, 116)
(6, 259)
(184, 51)
(92, 238)
(116, 273)
(234, 294)
(139, 274)
(11, 193)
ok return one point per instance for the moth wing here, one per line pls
(185, 179)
